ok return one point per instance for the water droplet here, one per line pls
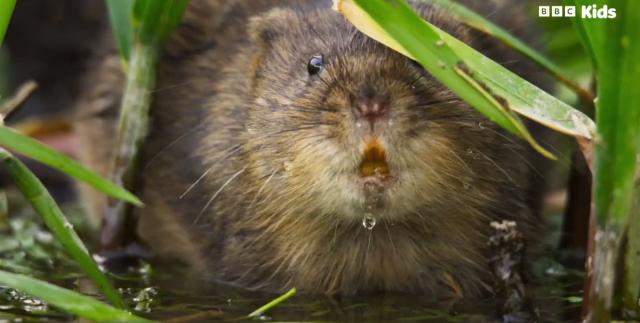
(358, 124)
(556, 270)
(144, 299)
(440, 43)
(44, 237)
(469, 151)
(68, 225)
(480, 125)
(466, 185)
(24, 302)
(368, 222)
(442, 65)
(373, 195)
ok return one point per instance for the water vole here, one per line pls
(289, 150)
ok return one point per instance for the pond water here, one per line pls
(165, 294)
(554, 299)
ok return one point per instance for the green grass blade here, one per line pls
(580, 27)
(150, 22)
(46, 207)
(484, 25)
(133, 126)
(6, 10)
(396, 25)
(29, 147)
(69, 301)
(393, 21)
(155, 20)
(273, 303)
(153, 23)
(121, 16)
(592, 31)
(523, 97)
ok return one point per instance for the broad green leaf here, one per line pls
(69, 301)
(486, 26)
(617, 111)
(394, 24)
(6, 10)
(46, 207)
(121, 16)
(31, 148)
(616, 44)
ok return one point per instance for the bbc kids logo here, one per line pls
(586, 12)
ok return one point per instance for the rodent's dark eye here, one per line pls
(316, 64)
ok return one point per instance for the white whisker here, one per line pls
(506, 174)
(165, 148)
(196, 182)
(213, 197)
(389, 235)
(233, 150)
(255, 198)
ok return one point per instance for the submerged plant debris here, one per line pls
(507, 247)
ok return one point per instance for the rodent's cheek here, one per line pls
(427, 170)
(324, 173)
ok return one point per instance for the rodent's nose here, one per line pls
(371, 109)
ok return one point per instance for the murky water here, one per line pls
(164, 293)
(168, 294)
(555, 291)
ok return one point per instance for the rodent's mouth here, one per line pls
(374, 161)
(375, 176)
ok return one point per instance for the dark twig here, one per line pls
(22, 94)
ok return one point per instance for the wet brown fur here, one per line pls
(250, 169)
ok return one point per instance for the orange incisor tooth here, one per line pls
(374, 162)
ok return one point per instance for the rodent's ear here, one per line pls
(441, 19)
(267, 27)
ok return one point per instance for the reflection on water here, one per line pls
(163, 293)
(556, 294)
(169, 295)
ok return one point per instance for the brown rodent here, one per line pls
(280, 132)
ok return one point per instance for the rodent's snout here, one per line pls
(372, 110)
